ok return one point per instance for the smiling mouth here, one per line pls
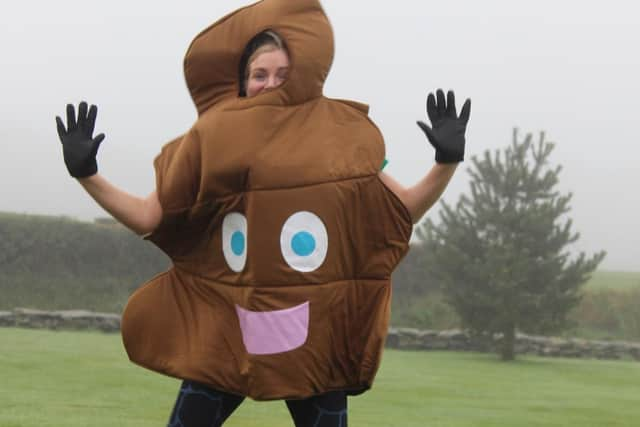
(272, 332)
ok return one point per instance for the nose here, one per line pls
(271, 82)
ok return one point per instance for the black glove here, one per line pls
(447, 131)
(78, 144)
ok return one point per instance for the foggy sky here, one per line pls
(570, 69)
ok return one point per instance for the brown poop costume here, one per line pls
(282, 236)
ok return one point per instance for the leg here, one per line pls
(325, 410)
(200, 406)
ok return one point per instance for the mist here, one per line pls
(568, 69)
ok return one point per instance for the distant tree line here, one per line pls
(60, 263)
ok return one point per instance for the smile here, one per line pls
(272, 332)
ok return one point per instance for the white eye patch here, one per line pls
(304, 241)
(234, 241)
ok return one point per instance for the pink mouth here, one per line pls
(272, 332)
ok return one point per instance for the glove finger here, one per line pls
(71, 118)
(91, 119)
(61, 129)
(429, 133)
(432, 110)
(466, 112)
(451, 105)
(441, 103)
(82, 115)
(96, 145)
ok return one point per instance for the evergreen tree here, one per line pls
(501, 254)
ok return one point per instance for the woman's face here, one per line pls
(267, 71)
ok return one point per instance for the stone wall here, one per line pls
(68, 319)
(456, 340)
(399, 338)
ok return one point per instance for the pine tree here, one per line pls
(501, 254)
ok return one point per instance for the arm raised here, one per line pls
(141, 215)
(447, 135)
(80, 148)
(419, 198)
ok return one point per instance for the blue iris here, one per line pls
(237, 243)
(303, 243)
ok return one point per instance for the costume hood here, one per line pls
(282, 236)
(212, 61)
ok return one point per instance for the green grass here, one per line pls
(619, 280)
(75, 379)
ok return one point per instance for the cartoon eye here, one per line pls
(304, 241)
(234, 240)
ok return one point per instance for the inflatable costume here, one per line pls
(281, 234)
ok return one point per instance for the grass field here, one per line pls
(77, 379)
(603, 279)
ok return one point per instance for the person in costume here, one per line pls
(282, 230)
